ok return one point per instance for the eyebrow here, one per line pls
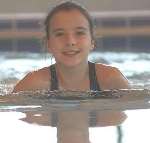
(77, 28)
(57, 30)
(82, 28)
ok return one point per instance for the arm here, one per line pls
(35, 80)
(27, 83)
(118, 80)
(111, 78)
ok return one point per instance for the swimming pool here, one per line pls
(134, 129)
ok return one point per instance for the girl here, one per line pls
(70, 39)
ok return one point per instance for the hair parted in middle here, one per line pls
(68, 6)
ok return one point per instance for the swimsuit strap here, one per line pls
(92, 77)
(54, 80)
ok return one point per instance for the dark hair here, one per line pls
(68, 5)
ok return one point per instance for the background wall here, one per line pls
(15, 6)
(118, 34)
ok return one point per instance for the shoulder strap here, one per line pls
(54, 80)
(92, 77)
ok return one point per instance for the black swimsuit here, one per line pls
(94, 86)
(92, 77)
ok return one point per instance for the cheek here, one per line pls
(54, 48)
(87, 39)
(88, 43)
(51, 44)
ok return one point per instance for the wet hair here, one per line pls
(68, 6)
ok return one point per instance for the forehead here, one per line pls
(68, 18)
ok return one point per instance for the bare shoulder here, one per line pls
(111, 77)
(38, 79)
(108, 70)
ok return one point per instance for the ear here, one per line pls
(92, 44)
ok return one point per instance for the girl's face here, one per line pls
(69, 38)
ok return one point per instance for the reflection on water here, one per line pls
(134, 129)
(36, 124)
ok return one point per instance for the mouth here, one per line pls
(70, 53)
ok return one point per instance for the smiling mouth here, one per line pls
(71, 53)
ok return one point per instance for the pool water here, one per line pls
(135, 66)
(33, 124)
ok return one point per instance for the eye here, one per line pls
(80, 33)
(58, 34)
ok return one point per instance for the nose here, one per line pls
(70, 39)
